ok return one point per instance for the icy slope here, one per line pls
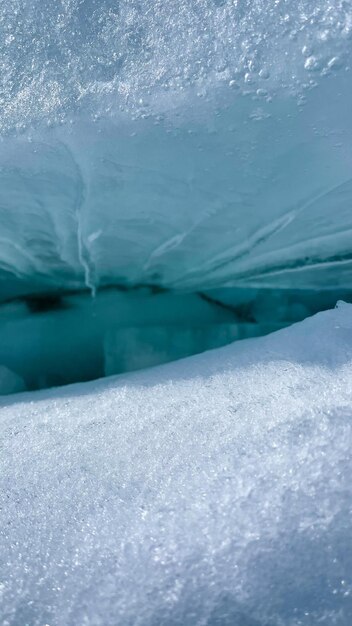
(215, 490)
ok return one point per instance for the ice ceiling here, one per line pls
(186, 146)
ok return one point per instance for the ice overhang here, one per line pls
(223, 201)
(161, 160)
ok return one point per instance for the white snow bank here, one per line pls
(215, 490)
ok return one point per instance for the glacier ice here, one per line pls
(197, 147)
(64, 338)
(211, 491)
(174, 176)
(183, 144)
(77, 338)
(227, 201)
(10, 382)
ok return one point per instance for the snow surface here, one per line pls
(211, 491)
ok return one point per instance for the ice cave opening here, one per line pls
(173, 176)
(58, 338)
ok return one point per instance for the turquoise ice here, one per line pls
(188, 145)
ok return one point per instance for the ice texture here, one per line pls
(10, 382)
(184, 144)
(211, 491)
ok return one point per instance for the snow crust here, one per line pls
(211, 491)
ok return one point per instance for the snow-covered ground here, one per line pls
(211, 491)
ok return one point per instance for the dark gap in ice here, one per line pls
(41, 303)
(52, 339)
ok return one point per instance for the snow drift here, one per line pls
(212, 491)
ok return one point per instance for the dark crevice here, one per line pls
(45, 302)
(54, 299)
(241, 312)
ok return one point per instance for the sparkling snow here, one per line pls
(212, 491)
